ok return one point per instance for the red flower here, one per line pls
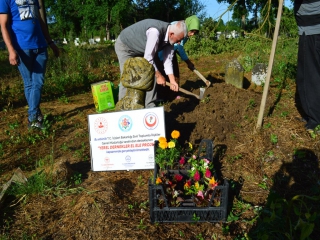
(196, 176)
(178, 177)
(182, 161)
(208, 173)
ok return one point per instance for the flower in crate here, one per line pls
(175, 134)
(185, 177)
(182, 161)
(200, 195)
(200, 168)
(158, 181)
(208, 173)
(178, 177)
(212, 183)
(196, 175)
(167, 153)
(187, 185)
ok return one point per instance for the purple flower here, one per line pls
(208, 173)
(196, 176)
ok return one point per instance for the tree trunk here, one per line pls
(107, 32)
(243, 22)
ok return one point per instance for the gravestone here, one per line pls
(259, 73)
(91, 41)
(234, 74)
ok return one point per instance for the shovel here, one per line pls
(190, 93)
(207, 82)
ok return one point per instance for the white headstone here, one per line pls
(259, 73)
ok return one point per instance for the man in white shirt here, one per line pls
(146, 38)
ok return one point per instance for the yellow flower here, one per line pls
(162, 139)
(171, 145)
(158, 180)
(163, 145)
(175, 134)
(197, 185)
(190, 146)
(212, 181)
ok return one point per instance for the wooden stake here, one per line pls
(273, 49)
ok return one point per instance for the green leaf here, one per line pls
(306, 230)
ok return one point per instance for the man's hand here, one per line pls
(160, 79)
(174, 85)
(13, 58)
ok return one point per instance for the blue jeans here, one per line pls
(32, 67)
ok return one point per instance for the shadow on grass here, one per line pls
(292, 210)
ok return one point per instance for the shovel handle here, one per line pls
(207, 82)
(185, 91)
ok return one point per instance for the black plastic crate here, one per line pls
(188, 214)
(188, 211)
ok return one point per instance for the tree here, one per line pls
(89, 17)
(170, 10)
(242, 9)
(63, 14)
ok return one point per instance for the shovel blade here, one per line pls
(201, 93)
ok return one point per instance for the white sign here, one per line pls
(124, 140)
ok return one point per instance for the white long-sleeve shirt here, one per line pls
(152, 47)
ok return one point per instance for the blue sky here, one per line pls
(215, 9)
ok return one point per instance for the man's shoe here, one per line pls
(36, 125)
(302, 119)
(40, 118)
(313, 131)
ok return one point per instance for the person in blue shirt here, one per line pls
(193, 26)
(27, 38)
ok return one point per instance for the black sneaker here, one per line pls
(36, 125)
(40, 118)
(302, 119)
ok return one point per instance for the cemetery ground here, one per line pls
(64, 199)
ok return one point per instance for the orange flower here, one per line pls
(158, 180)
(171, 145)
(187, 184)
(175, 134)
(163, 145)
(162, 139)
(212, 183)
